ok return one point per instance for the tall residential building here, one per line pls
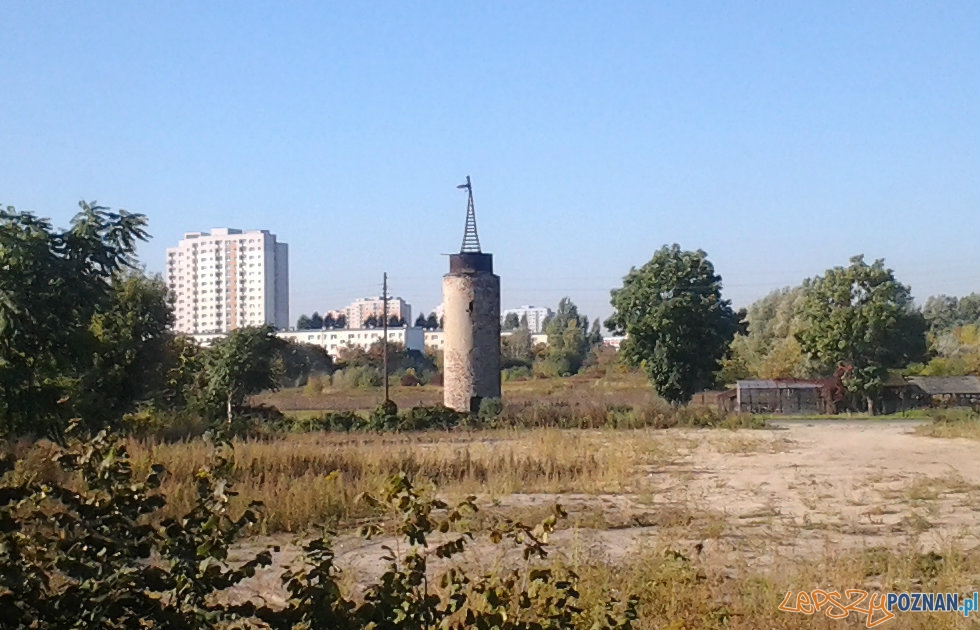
(362, 308)
(228, 279)
(536, 316)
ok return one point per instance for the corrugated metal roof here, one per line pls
(774, 384)
(940, 385)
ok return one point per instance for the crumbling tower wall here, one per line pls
(471, 311)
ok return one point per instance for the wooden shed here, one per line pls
(789, 396)
(954, 391)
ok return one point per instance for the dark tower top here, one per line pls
(470, 258)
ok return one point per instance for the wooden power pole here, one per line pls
(384, 328)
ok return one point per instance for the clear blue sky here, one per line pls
(780, 137)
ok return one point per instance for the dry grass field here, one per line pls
(598, 386)
(710, 528)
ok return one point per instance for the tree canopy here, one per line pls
(861, 319)
(52, 284)
(245, 362)
(676, 323)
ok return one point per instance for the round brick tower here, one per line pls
(471, 319)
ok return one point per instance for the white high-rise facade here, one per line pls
(536, 316)
(362, 308)
(228, 279)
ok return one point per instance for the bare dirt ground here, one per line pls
(738, 500)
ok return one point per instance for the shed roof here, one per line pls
(940, 385)
(779, 384)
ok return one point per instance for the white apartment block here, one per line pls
(435, 340)
(536, 338)
(361, 309)
(333, 339)
(228, 279)
(535, 316)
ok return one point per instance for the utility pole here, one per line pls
(384, 337)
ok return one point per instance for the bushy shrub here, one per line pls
(410, 378)
(516, 373)
(342, 421)
(86, 557)
(435, 417)
(384, 417)
(358, 377)
(315, 384)
(166, 426)
(78, 556)
(490, 409)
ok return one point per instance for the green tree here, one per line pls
(595, 335)
(185, 367)
(511, 321)
(299, 361)
(862, 319)
(432, 322)
(316, 322)
(304, 323)
(676, 323)
(52, 283)
(940, 312)
(131, 339)
(517, 348)
(245, 362)
(568, 340)
(420, 321)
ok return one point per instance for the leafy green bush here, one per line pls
(358, 377)
(85, 555)
(490, 410)
(384, 417)
(435, 417)
(343, 421)
(516, 373)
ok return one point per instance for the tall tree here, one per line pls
(768, 348)
(517, 347)
(316, 322)
(420, 321)
(511, 321)
(132, 339)
(432, 322)
(52, 283)
(861, 319)
(568, 342)
(245, 362)
(304, 323)
(595, 335)
(676, 323)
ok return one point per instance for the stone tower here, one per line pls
(471, 312)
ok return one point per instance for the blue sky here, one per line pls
(780, 137)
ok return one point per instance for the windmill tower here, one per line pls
(471, 303)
